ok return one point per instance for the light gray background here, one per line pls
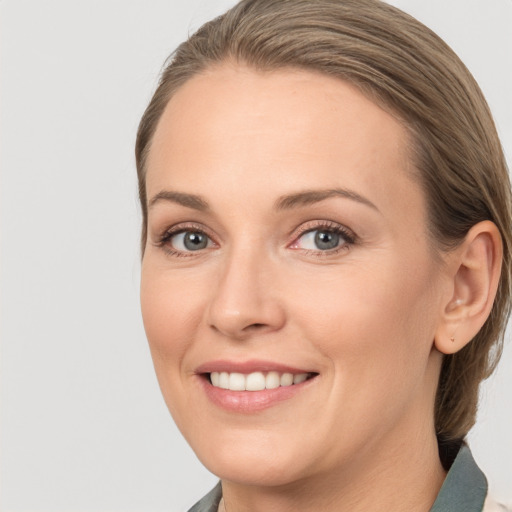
(83, 426)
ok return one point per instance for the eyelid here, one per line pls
(325, 224)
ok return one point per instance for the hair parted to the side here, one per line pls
(404, 67)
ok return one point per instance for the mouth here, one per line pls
(252, 386)
(256, 381)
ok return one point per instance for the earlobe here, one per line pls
(476, 271)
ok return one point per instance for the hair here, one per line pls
(404, 67)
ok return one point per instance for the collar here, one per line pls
(465, 486)
(210, 502)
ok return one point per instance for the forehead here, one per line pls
(293, 127)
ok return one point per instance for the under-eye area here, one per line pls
(256, 381)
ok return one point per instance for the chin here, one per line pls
(266, 473)
(257, 461)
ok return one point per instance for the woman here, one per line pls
(326, 257)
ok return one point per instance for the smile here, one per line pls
(256, 381)
(251, 386)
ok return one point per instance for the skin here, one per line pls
(363, 317)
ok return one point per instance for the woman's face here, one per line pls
(287, 239)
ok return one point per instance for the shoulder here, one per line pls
(492, 506)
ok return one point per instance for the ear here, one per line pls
(475, 269)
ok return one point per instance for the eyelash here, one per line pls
(349, 238)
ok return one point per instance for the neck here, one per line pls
(397, 475)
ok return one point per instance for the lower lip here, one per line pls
(251, 401)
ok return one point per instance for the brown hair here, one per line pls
(402, 65)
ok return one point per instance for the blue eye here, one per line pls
(187, 241)
(324, 238)
(321, 240)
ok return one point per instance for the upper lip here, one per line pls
(247, 367)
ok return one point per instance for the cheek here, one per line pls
(371, 319)
(171, 316)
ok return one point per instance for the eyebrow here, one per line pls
(285, 202)
(307, 197)
(189, 200)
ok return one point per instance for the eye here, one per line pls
(184, 241)
(189, 241)
(320, 239)
(324, 238)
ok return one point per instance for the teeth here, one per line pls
(256, 381)
(237, 382)
(224, 380)
(286, 379)
(273, 380)
(215, 377)
(300, 377)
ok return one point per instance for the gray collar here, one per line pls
(210, 502)
(465, 486)
(464, 489)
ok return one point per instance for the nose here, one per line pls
(245, 301)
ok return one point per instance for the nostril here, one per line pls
(254, 327)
